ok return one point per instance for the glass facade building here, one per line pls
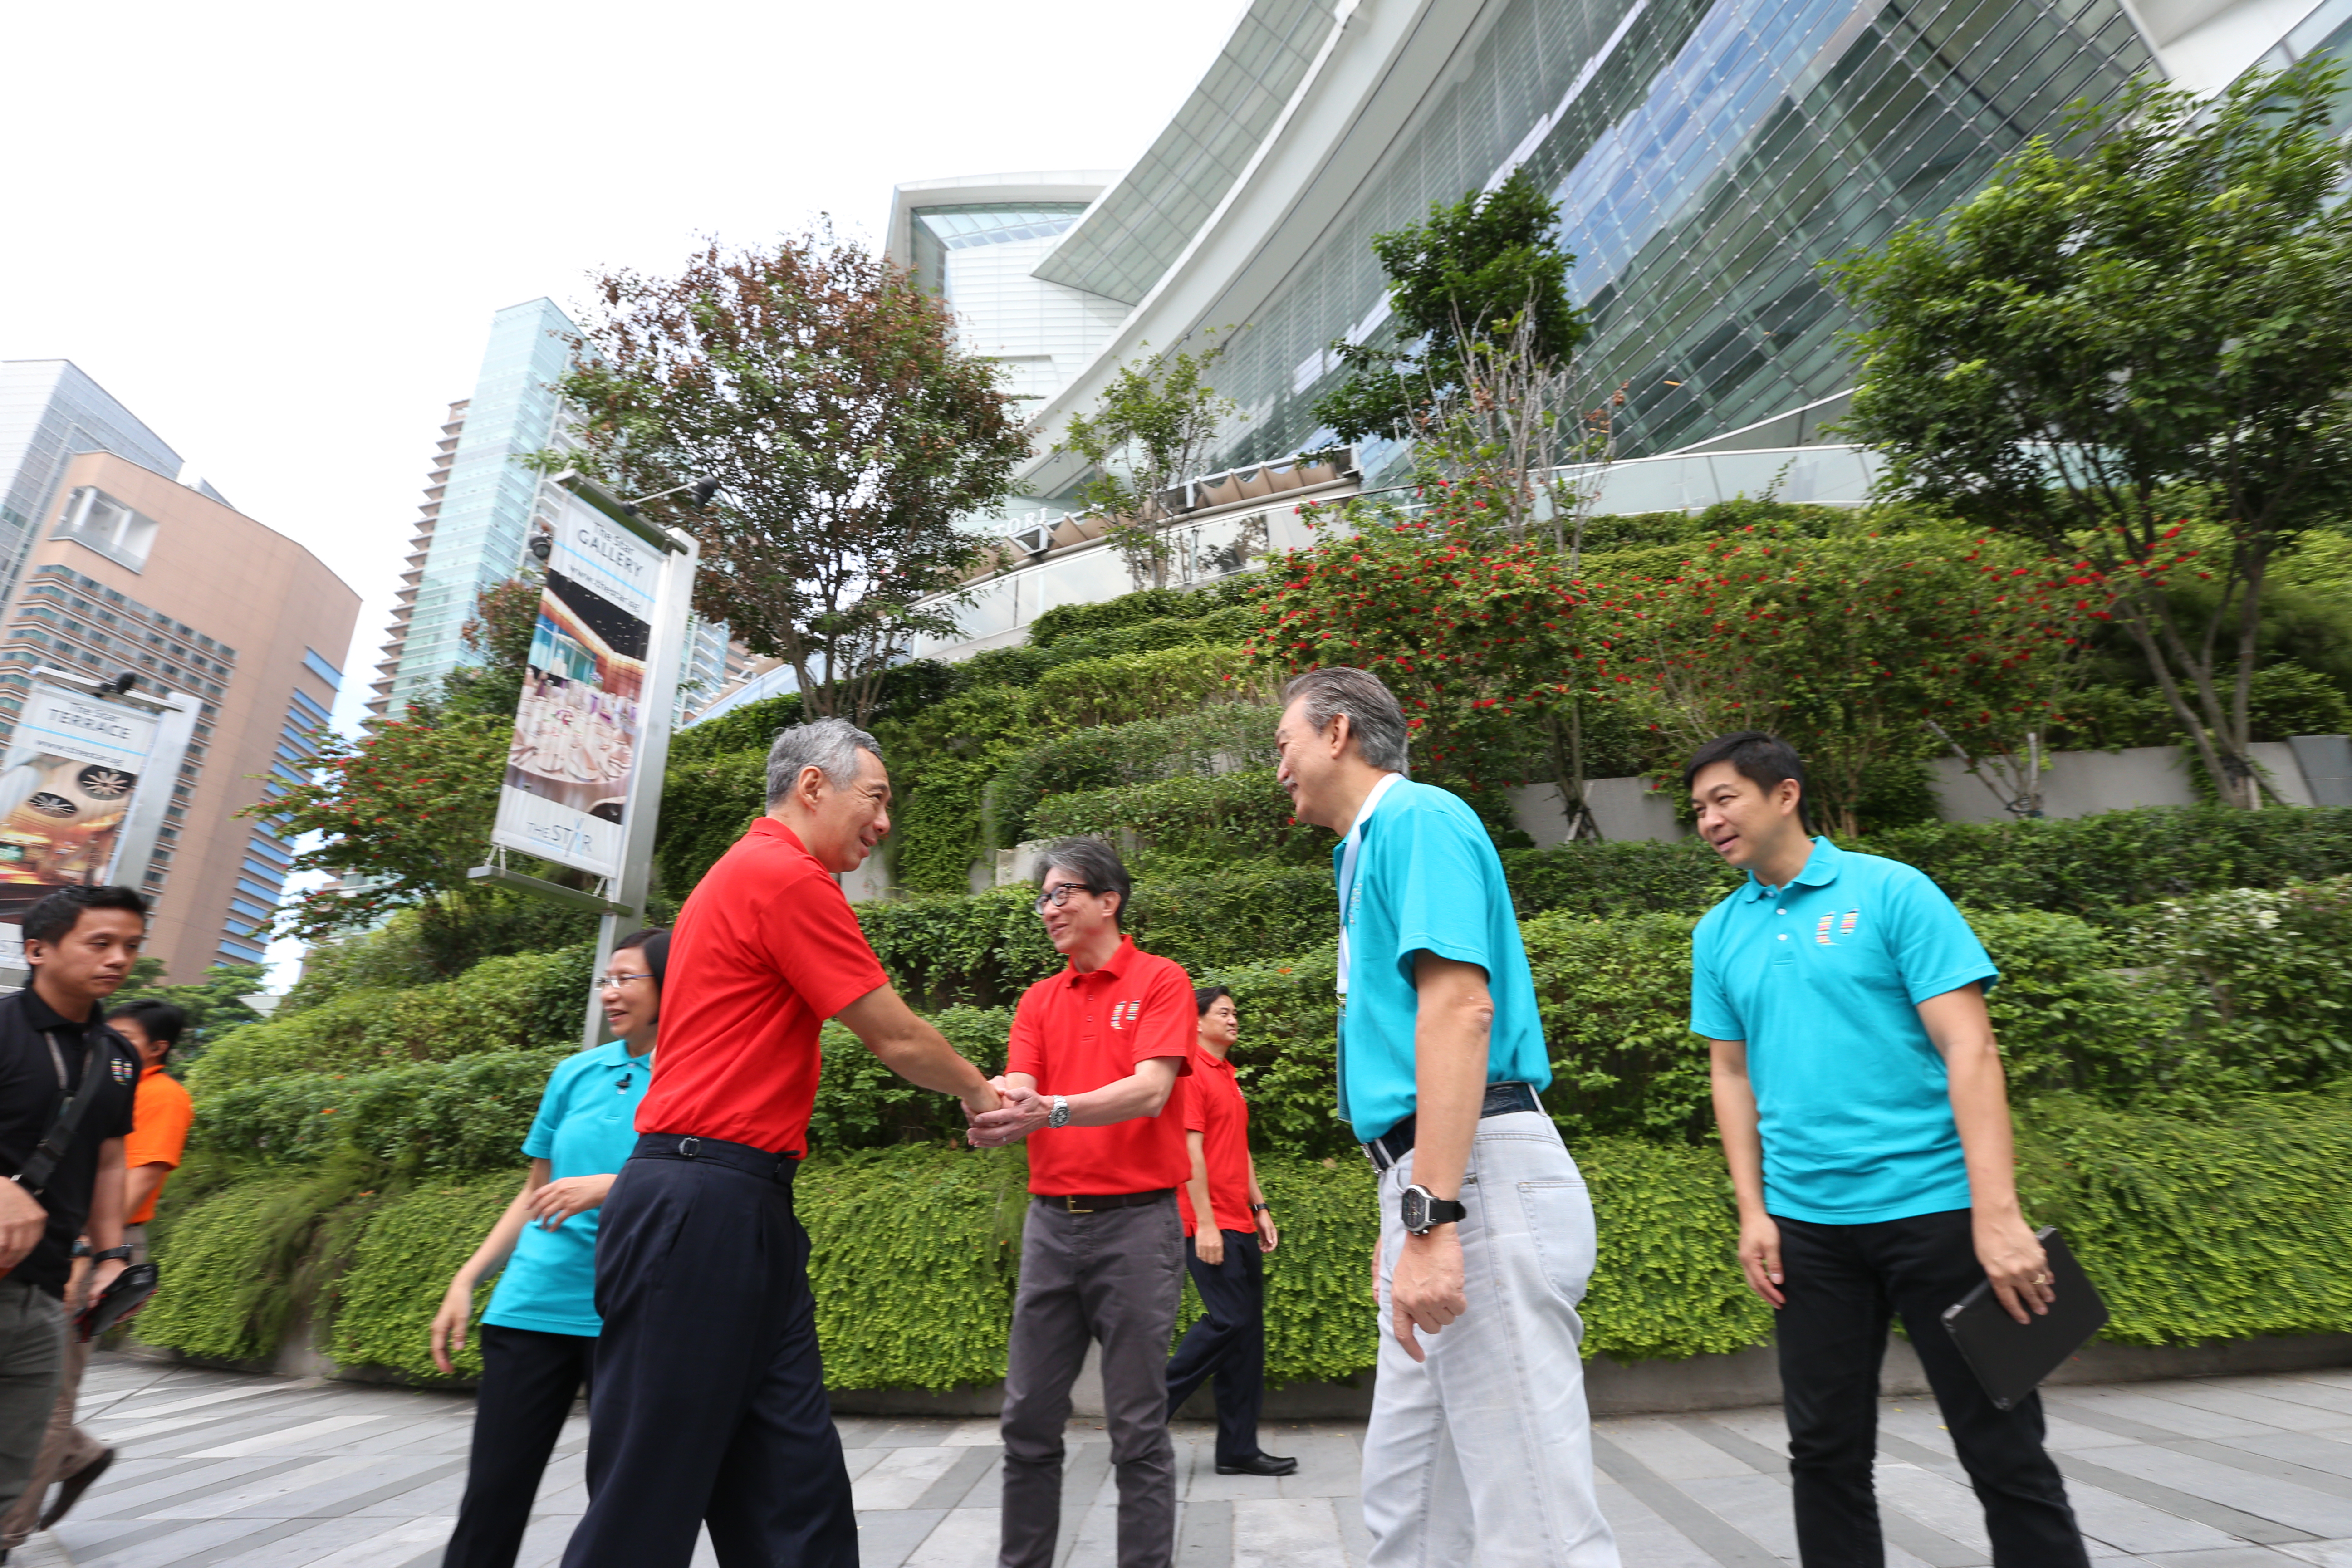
(980, 242)
(482, 500)
(1707, 155)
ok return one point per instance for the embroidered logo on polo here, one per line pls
(122, 1071)
(1845, 924)
(1125, 1013)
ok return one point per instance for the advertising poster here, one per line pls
(575, 737)
(65, 785)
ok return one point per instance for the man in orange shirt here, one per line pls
(160, 1115)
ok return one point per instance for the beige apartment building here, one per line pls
(131, 572)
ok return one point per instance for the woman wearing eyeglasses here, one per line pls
(539, 1333)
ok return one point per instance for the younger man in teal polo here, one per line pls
(1859, 1096)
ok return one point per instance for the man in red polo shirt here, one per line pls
(1096, 1052)
(710, 1403)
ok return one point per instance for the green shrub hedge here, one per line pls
(1218, 739)
(502, 1003)
(2194, 1228)
(1201, 824)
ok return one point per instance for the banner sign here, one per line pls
(576, 731)
(65, 785)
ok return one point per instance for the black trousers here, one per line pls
(528, 1381)
(709, 1405)
(1227, 1343)
(1844, 1283)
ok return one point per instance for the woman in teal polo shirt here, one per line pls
(539, 1335)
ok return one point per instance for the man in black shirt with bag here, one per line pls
(66, 1087)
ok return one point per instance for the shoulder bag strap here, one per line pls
(43, 1165)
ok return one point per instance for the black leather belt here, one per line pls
(740, 1157)
(1502, 1098)
(1086, 1203)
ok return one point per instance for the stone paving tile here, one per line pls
(2239, 1472)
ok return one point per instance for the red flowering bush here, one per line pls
(1848, 647)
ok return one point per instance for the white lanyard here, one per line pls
(1347, 852)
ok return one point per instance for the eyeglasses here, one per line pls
(615, 982)
(1060, 895)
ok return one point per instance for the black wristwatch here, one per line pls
(122, 1252)
(1425, 1211)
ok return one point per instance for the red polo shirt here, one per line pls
(1077, 1032)
(765, 952)
(1215, 1109)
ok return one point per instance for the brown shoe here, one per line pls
(69, 1490)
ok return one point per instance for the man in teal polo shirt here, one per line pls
(1859, 1091)
(1479, 1443)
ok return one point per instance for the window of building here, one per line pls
(97, 521)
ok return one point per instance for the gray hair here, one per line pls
(1374, 719)
(829, 745)
(1093, 862)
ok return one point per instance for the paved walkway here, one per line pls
(2247, 1472)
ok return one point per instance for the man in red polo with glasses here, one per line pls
(709, 1403)
(1095, 1056)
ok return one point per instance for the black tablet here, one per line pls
(2009, 1358)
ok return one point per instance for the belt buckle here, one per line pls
(1070, 1204)
(688, 1148)
(1372, 1159)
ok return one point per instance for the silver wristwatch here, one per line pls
(1059, 1116)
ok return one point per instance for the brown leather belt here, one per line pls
(1086, 1203)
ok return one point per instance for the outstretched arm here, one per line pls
(913, 1050)
(1144, 1092)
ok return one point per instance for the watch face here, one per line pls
(1416, 1209)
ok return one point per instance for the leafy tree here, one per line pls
(824, 389)
(402, 813)
(1867, 653)
(2149, 318)
(1146, 438)
(1486, 271)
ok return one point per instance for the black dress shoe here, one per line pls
(1261, 1465)
(69, 1490)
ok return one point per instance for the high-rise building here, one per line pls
(131, 572)
(977, 241)
(481, 501)
(51, 410)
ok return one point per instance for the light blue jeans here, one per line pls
(1486, 1444)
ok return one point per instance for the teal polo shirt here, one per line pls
(1823, 979)
(1427, 880)
(587, 1126)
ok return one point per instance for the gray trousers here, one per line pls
(1113, 1276)
(32, 1359)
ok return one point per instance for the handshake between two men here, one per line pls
(1022, 1110)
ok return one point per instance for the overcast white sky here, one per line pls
(277, 232)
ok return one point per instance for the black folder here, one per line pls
(2009, 1358)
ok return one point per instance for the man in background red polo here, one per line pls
(709, 1403)
(1095, 1054)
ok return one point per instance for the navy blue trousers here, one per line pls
(529, 1382)
(710, 1400)
(1227, 1342)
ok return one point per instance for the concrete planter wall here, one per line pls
(2310, 770)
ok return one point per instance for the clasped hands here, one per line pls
(1020, 1111)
